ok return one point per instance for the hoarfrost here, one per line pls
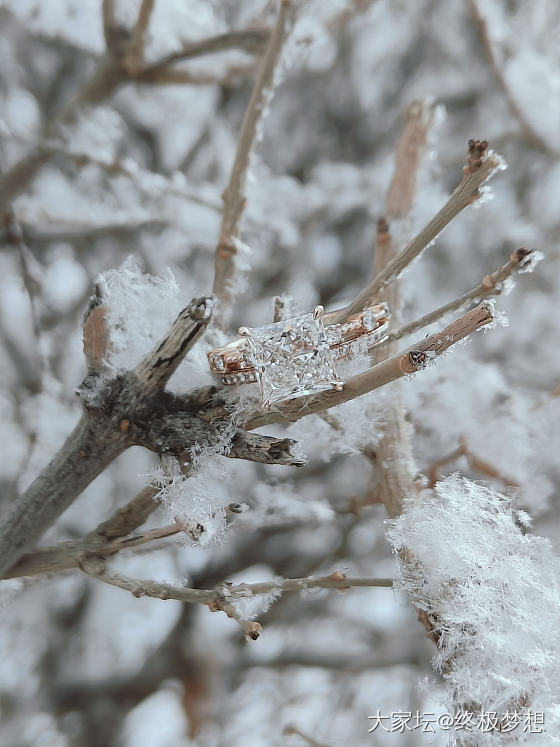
(494, 594)
(140, 310)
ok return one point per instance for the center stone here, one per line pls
(291, 358)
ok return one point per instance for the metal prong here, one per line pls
(265, 404)
(244, 331)
(318, 311)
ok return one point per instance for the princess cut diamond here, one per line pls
(291, 358)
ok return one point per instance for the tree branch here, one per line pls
(155, 371)
(481, 165)
(265, 449)
(223, 597)
(234, 195)
(85, 455)
(249, 40)
(491, 285)
(529, 132)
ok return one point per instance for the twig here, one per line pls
(480, 167)
(474, 462)
(336, 580)
(491, 285)
(234, 195)
(178, 76)
(529, 132)
(155, 371)
(227, 592)
(265, 449)
(250, 40)
(134, 56)
(393, 460)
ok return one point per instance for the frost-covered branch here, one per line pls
(121, 64)
(224, 596)
(234, 195)
(491, 285)
(117, 414)
(481, 165)
(490, 592)
(155, 371)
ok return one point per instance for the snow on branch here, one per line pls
(491, 594)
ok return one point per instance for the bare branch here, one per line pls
(177, 76)
(155, 371)
(491, 285)
(291, 730)
(480, 167)
(83, 457)
(265, 449)
(249, 40)
(234, 195)
(130, 516)
(134, 56)
(109, 21)
(529, 132)
(475, 463)
(227, 592)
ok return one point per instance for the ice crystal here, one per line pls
(493, 594)
(140, 310)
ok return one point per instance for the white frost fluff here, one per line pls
(141, 309)
(494, 593)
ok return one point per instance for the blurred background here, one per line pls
(140, 172)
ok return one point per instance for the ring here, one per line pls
(296, 356)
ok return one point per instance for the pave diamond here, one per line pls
(291, 358)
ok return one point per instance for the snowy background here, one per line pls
(141, 175)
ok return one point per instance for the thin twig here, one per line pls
(475, 463)
(529, 132)
(234, 195)
(291, 730)
(249, 40)
(481, 165)
(491, 285)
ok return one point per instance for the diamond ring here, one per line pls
(296, 356)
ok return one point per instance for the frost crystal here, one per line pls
(493, 595)
(141, 309)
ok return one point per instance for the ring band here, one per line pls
(234, 363)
